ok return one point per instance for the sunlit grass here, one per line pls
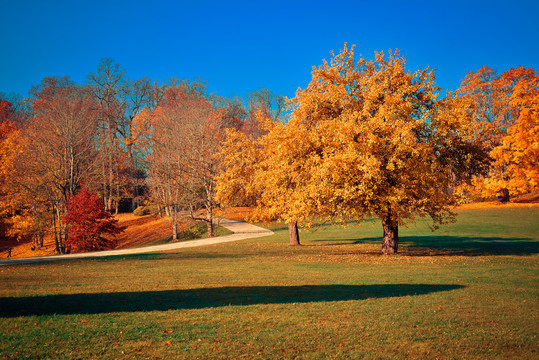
(468, 290)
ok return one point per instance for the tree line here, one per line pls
(124, 140)
(363, 139)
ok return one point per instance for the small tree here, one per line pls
(88, 223)
(264, 171)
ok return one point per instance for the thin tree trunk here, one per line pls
(390, 242)
(105, 199)
(294, 233)
(174, 223)
(118, 198)
(54, 231)
(62, 232)
(209, 216)
(40, 237)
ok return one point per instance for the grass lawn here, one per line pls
(467, 291)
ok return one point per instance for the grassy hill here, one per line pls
(467, 291)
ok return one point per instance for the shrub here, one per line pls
(146, 210)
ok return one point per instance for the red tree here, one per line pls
(89, 223)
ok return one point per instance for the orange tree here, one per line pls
(519, 149)
(366, 138)
(497, 102)
(10, 140)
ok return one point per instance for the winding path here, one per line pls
(241, 231)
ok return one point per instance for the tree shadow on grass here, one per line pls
(456, 245)
(70, 304)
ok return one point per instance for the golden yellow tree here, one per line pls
(368, 138)
(265, 171)
(383, 144)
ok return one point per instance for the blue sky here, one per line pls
(239, 46)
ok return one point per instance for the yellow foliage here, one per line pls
(365, 138)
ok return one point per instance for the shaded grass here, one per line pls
(335, 297)
(497, 231)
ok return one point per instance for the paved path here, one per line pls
(241, 231)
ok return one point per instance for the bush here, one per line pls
(195, 231)
(146, 210)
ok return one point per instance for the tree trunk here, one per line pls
(174, 223)
(61, 232)
(209, 217)
(390, 242)
(294, 233)
(40, 239)
(504, 195)
(210, 228)
(55, 232)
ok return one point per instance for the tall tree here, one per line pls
(59, 147)
(186, 135)
(368, 138)
(268, 171)
(108, 85)
(10, 146)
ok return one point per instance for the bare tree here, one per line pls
(59, 153)
(183, 166)
(108, 85)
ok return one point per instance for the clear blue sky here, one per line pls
(239, 46)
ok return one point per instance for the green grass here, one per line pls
(467, 291)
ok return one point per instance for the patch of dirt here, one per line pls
(142, 229)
